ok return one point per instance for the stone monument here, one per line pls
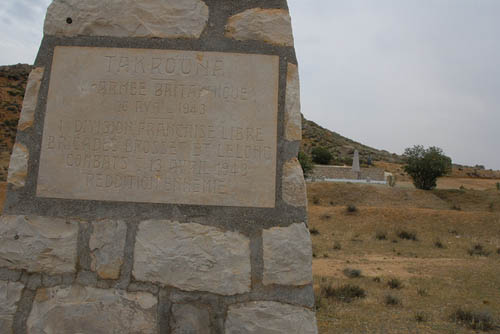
(355, 162)
(154, 186)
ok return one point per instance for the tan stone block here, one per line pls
(192, 257)
(269, 318)
(38, 244)
(86, 310)
(269, 25)
(10, 294)
(30, 99)
(18, 166)
(107, 246)
(294, 185)
(293, 118)
(287, 255)
(127, 18)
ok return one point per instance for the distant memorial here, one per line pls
(355, 162)
(154, 186)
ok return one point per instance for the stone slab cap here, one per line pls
(192, 257)
(293, 118)
(107, 246)
(127, 18)
(269, 318)
(273, 26)
(10, 294)
(287, 255)
(38, 244)
(30, 99)
(18, 166)
(79, 309)
(294, 185)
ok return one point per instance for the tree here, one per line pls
(305, 163)
(321, 155)
(426, 165)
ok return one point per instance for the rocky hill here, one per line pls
(342, 148)
(12, 84)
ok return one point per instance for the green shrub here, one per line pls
(425, 165)
(321, 155)
(380, 235)
(395, 283)
(314, 231)
(438, 244)
(420, 317)
(474, 320)
(351, 208)
(352, 273)
(422, 292)
(345, 293)
(498, 186)
(392, 300)
(305, 163)
(478, 250)
(407, 235)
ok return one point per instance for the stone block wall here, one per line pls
(76, 266)
(339, 172)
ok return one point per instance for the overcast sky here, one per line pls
(387, 73)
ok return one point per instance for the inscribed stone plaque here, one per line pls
(161, 126)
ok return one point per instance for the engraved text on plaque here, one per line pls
(161, 126)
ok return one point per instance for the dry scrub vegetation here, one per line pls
(401, 260)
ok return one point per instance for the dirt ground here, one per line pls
(436, 271)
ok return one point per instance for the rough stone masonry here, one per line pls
(154, 185)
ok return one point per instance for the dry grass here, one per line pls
(435, 280)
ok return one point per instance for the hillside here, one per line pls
(342, 148)
(12, 84)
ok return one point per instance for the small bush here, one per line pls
(315, 200)
(438, 244)
(377, 279)
(314, 231)
(326, 217)
(422, 292)
(352, 273)
(405, 235)
(498, 186)
(478, 250)
(395, 283)
(392, 300)
(456, 207)
(420, 317)
(337, 245)
(318, 301)
(345, 293)
(380, 235)
(473, 320)
(305, 163)
(321, 155)
(351, 208)
(498, 251)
